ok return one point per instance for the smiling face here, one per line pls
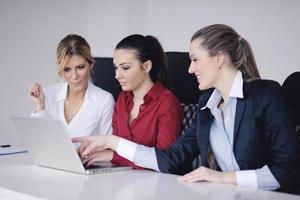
(77, 73)
(204, 66)
(129, 71)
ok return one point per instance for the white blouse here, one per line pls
(94, 116)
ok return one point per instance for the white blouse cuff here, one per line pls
(126, 149)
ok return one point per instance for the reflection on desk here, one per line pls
(19, 174)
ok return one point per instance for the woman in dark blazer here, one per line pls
(242, 130)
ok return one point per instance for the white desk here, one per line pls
(19, 174)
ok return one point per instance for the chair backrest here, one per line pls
(291, 89)
(103, 76)
(183, 84)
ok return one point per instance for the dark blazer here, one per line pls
(263, 135)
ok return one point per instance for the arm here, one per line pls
(35, 94)
(137, 153)
(105, 126)
(281, 136)
(178, 158)
(170, 119)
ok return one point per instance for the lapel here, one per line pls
(240, 106)
(203, 129)
(239, 112)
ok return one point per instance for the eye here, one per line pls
(125, 66)
(66, 69)
(194, 59)
(80, 67)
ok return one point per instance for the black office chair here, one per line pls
(291, 89)
(103, 76)
(183, 85)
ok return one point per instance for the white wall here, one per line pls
(31, 29)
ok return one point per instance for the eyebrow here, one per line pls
(80, 65)
(124, 63)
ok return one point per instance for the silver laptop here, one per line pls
(49, 145)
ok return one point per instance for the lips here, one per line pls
(198, 77)
(77, 84)
(122, 83)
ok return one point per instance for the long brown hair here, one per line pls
(222, 38)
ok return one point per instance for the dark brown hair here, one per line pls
(148, 48)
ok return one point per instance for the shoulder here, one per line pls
(263, 84)
(99, 93)
(168, 98)
(261, 88)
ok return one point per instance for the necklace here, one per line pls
(71, 110)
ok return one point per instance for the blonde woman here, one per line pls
(84, 108)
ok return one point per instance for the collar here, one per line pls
(153, 93)
(62, 94)
(236, 91)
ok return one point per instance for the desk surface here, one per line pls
(19, 174)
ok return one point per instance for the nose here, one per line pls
(74, 74)
(117, 74)
(191, 69)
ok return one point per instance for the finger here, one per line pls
(82, 147)
(192, 175)
(84, 161)
(31, 91)
(37, 85)
(79, 139)
(196, 179)
(97, 156)
(89, 149)
(192, 178)
(91, 161)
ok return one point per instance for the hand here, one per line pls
(36, 94)
(105, 155)
(92, 144)
(206, 174)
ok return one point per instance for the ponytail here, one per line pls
(246, 62)
(158, 58)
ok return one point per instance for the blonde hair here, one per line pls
(71, 45)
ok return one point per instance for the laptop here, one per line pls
(49, 145)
